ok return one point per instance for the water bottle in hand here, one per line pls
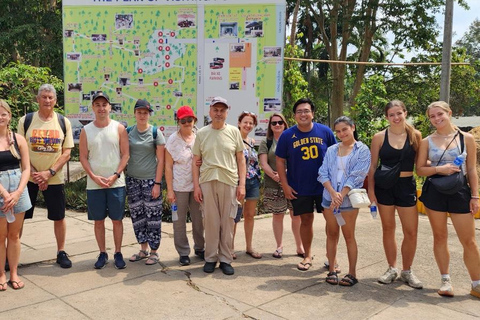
(460, 159)
(174, 212)
(10, 216)
(373, 210)
(338, 216)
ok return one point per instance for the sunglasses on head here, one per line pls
(185, 120)
(280, 123)
(248, 112)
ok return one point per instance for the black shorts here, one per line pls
(305, 204)
(454, 203)
(54, 198)
(402, 194)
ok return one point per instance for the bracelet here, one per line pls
(475, 197)
(117, 174)
(157, 183)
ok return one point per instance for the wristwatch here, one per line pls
(117, 174)
(52, 172)
(157, 183)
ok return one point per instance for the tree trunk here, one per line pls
(293, 32)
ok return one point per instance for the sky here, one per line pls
(462, 19)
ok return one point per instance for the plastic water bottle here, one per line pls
(459, 160)
(373, 210)
(10, 216)
(338, 216)
(174, 212)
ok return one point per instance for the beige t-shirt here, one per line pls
(45, 140)
(218, 150)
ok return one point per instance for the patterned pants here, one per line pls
(146, 212)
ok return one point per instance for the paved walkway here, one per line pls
(260, 289)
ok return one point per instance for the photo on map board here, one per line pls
(228, 29)
(74, 56)
(272, 52)
(254, 29)
(68, 33)
(123, 21)
(272, 104)
(186, 20)
(75, 87)
(99, 37)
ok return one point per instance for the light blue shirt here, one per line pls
(356, 169)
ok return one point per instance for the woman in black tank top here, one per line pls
(397, 143)
(14, 197)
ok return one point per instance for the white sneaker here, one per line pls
(411, 279)
(389, 276)
(475, 291)
(446, 290)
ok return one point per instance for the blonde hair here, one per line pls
(445, 107)
(412, 137)
(10, 133)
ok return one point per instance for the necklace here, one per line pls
(444, 136)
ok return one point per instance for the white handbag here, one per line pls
(359, 198)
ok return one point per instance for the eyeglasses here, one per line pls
(185, 120)
(274, 123)
(304, 111)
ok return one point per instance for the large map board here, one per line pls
(173, 53)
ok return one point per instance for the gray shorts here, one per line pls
(10, 179)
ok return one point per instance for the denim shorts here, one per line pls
(252, 189)
(106, 202)
(326, 204)
(10, 179)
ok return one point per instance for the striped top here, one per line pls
(356, 169)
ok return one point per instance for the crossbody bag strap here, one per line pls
(448, 145)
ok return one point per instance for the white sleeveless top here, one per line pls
(103, 153)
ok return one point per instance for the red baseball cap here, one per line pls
(184, 112)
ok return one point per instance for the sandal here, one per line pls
(326, 265)
(332, 278)
(234, 256)
(3, 286)
(254, 254)
(142, 254)
(152, 259)
(16, 285)
(348, 281)
(278, 253)
(304, 266)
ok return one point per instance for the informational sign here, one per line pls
(173, 53)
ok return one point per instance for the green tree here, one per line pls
(19, 84)
(31, 33)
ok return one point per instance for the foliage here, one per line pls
(367, 114)
(471, 40)
(31, 33)
(19, 84)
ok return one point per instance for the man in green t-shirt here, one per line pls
(218, 184)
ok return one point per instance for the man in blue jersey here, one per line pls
(300, 152)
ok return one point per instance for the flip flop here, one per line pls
(254, 254)
(332, 278)
(3, 286)
(18, 284)
(304, 266)
(278, 253)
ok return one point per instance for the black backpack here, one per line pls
(29, 118)
(154, 133)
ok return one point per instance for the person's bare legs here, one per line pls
(348, 231)
(296, 222)
(465, 227)
(409, 219)
(60, 229)
(387, 216)
(438, 222)
(117, 234)
(13, 247)
(277, 226)
(306, 232)
(100, 234)
(333, 231)
(249, 210)
(3, 252)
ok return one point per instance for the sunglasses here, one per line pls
(185, 120)
(280, 123)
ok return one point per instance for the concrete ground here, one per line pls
(260, 289)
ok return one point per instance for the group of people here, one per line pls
(214, 174)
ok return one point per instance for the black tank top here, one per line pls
(390, 156)
(8, 161)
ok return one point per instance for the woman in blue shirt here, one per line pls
(344, 168)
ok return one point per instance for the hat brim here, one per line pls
(221, 103)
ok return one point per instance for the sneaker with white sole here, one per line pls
(475, 291)
(409, 278)
(389, 276)
(446, 290)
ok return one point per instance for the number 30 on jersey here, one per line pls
(310, 152)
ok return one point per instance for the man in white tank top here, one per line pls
(104, 153)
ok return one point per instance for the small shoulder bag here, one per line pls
(450, 184)
(385, 177)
